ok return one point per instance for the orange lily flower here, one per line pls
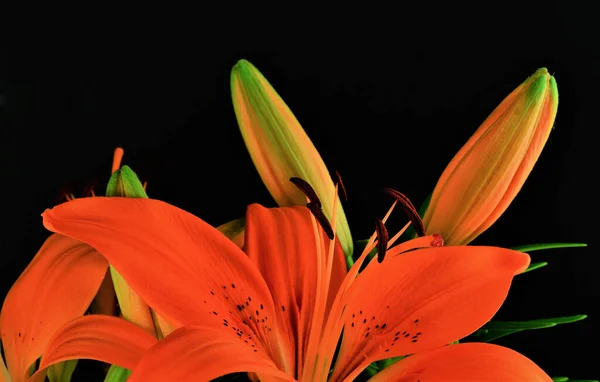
(487, 173)
(280, 148)
(57, 286)
(279, 310)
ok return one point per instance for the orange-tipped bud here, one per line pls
(280, 147)
(487, 173)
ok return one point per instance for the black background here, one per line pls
(387, 99)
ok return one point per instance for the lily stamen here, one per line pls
(409, 209)
(321, 219)
(382, 240)
(307, 189)
(341, 185)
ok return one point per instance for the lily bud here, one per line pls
(125, 183)
(280, 148)
(487, 173)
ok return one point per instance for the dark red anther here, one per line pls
(382, 240)
(321, 218)
(341, 186)
(409, 209)
(307, 189)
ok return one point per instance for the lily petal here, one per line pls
(181, 254)
(196, 353)
(58, 285)
(487, 173)
(279, 146)
(465, 362)
(98, 337)
(281, 241)
(421, 300)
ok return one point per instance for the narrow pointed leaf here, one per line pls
(538, 247)
(535, 266)
(533, 324)
(497, 329)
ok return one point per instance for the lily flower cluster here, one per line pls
(283, 293)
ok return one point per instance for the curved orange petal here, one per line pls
(421, 300)
(281, 241)
(465, 362)
(98, 337)
(199, 353)
(186, 270)
(58, 285)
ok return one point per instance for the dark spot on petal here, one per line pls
(233, 286)
(383, 326)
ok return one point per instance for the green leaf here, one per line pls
(535, 266)
(372, 369)
(533, 324)
(388, 362)
(565, 379)
(125, 183)
(538, 247)
(117, 374)
(62, 372)
(497, 329)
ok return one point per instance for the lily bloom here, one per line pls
(489, 170)
(280, 148)
(280, 309)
